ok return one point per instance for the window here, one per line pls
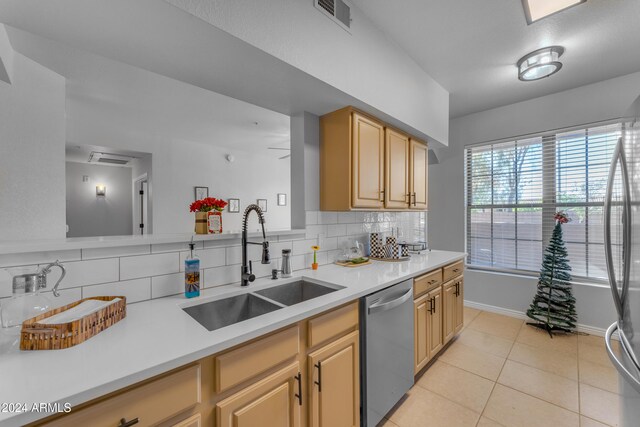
(513, 189)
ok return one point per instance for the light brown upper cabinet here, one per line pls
(396, 192)
(367, 165)
(418, 175)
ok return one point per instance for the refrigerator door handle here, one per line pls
(626, 225)
(617, 298)
(631, 379)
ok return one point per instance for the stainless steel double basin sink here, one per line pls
(223, 312)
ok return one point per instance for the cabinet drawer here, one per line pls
(424, 283)
(452, 270)
(333, 324)
(249, 360)
(150, 403)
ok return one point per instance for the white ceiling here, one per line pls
(137, 102)
(471, 47)
(156, 36)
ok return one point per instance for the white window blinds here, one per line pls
(513, 189)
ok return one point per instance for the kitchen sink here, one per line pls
(228, 311)
(296, 292)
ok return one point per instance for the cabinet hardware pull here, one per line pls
(125, 423)
(431, 307)
(434, 305)
(319, 382)
(382, 193)
(455, 270)
(414, 198)
(299, 394)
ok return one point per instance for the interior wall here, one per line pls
(91, 215)
(32, 139)
(587, 104)
(378, 72)
(181, 166)
(305, 166)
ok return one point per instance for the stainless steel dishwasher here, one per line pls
(386, 333)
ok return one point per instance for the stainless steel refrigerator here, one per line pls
(622, 249)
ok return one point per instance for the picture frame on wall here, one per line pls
(201, 192)
(262, 203)
(282, 199)
(234, 205)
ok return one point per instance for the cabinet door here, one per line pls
(435, 322)
(334, 383)
(272, 400)
(367, 154)
(420, 322)
(419, 175)
(459, 303)
(396, 170)
(193, 421)
(449, 311)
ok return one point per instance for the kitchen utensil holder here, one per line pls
(40, 336)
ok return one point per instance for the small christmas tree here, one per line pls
(554, 307)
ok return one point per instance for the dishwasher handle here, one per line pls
(382, 305)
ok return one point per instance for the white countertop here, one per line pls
(157, 336)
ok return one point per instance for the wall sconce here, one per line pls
(101, 190)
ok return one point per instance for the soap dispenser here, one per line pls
(192, 273)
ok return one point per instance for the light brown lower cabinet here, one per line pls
(149, 404)
(334, 384)
(449, 314)
(459, 317)
(427, 327)
(453, 320)
(193, 421)
(306, 374)
(438, 312)
(420, 321)
(435, 322)
(274, 401)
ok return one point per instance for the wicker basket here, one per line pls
(38, 336)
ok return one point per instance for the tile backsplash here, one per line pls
(153, 271)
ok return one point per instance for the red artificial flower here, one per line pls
(208, 204)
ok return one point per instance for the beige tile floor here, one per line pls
(501, 372)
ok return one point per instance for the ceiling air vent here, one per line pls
(109, 158)
(337, 10)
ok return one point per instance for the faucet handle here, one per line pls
(250, 267)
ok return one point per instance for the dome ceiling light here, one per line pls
(536, 10)
(540, 63)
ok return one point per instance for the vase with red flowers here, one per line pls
(208, 215)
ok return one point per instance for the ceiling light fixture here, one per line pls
(540, 63)
(535, 10)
